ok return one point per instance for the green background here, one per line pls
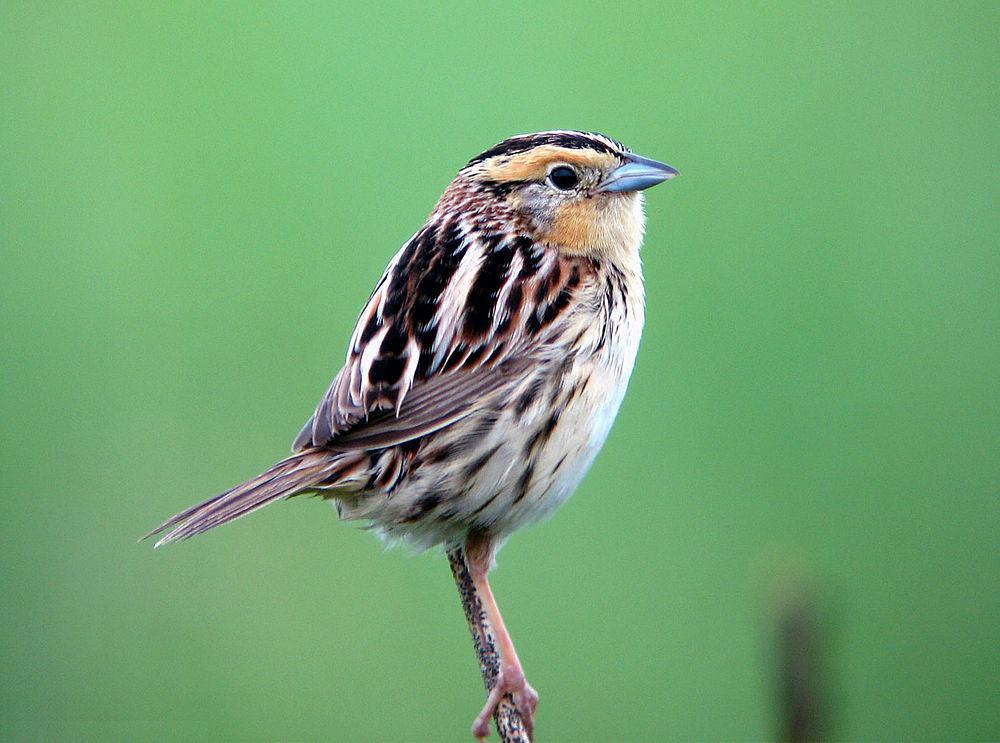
(196, 200)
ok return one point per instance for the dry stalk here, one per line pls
(508, 720)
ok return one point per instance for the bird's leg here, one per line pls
(479, 553)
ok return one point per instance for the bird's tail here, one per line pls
(299, 473)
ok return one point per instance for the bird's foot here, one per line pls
(510, 681)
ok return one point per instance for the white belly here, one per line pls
(575, 443)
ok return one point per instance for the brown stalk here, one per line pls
(508, 720)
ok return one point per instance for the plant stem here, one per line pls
(508, 720)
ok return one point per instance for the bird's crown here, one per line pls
(527, 157)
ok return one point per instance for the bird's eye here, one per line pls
(563, 177)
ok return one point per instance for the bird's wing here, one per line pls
(457, 315)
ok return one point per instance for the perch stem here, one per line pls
(509, 723)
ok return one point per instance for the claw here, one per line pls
(510, 681)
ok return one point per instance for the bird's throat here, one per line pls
(604, 226)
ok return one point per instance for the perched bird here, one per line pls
(487, 367)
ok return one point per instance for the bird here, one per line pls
(486, 368)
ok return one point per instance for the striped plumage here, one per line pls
(489, 363)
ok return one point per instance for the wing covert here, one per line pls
(458, 314)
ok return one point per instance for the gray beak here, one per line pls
(635, 175)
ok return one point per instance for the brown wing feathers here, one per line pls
(435, 313)
(290, 476)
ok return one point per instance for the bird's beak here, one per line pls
(635, 175)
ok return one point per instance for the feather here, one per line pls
(414, 340)
(298, 473)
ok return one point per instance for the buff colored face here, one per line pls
(559, 188)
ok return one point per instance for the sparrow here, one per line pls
(485, 370)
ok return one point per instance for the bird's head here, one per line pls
(576, 191)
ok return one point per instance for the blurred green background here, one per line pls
(196, 199)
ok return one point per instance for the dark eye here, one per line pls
(563, 177)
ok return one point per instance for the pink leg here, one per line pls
(479, 556)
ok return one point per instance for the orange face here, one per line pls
(575, 218)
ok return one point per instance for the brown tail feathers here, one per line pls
(299, 473)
